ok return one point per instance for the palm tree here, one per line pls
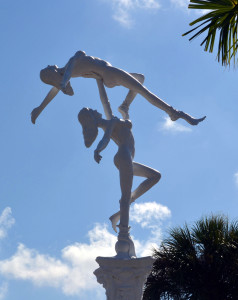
(197, 263)
(221, 17)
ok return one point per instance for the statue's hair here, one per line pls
(49, 76)
(90, 130)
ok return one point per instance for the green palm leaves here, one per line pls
(222, 18)
(196, 263)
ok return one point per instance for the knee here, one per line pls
(141, 78)
(156, 177)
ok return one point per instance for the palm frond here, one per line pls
(199, 262)
(222, 20)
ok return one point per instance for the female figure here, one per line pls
(82, 65)
(120, 132)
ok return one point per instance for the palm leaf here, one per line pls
(222, 20)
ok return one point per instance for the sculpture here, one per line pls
(82, 65)
(121, 275)
(120, 132)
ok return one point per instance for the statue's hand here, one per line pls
(97, 156)
(34, 114)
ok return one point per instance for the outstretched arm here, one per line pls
(36, 111)
(105, 140)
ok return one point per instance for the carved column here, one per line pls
(123, 279)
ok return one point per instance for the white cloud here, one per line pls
(236, 178)
(171, 126)
(149, 213)
(82, 258)
(73, 271)
(3, 290)
(6, 222)
(180, 3)
(144, 248)
(122, 9)
(184, 5)
(29, 264)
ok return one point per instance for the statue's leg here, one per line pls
(128, 81)
(156, 101)
(124, 164)
(152, 177)
(124, 107)
(123, 160)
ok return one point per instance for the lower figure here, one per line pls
(152, 177)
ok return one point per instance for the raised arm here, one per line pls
(67, 73)
(105, 140)
(104, 99)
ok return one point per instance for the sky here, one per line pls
(55, 200)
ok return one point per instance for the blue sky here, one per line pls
(55, 200)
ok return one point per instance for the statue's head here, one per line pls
(88, 119)
(52, 75)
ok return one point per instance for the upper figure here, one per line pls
(82, 65)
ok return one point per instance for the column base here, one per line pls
(123, 279)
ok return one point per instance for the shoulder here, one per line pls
(124, 123)
(115, 120)
(79, 54)
(128, 123)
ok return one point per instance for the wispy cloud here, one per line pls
(170, 126)
(180, 3)
(73, 271)
(6, 222)
(184, 5)
(3, 290)
(149, 215)
(236, 178)
(123, 9)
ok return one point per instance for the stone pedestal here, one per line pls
(123, 279)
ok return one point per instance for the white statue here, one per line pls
(82, 65)
(122, 276)
(120, 132)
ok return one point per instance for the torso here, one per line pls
(85, 65)
(93, 67)
(122, 135)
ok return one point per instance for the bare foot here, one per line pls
(189, 119)
(123, 110)
(177, 114)
(34, 114)
(114, 219)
